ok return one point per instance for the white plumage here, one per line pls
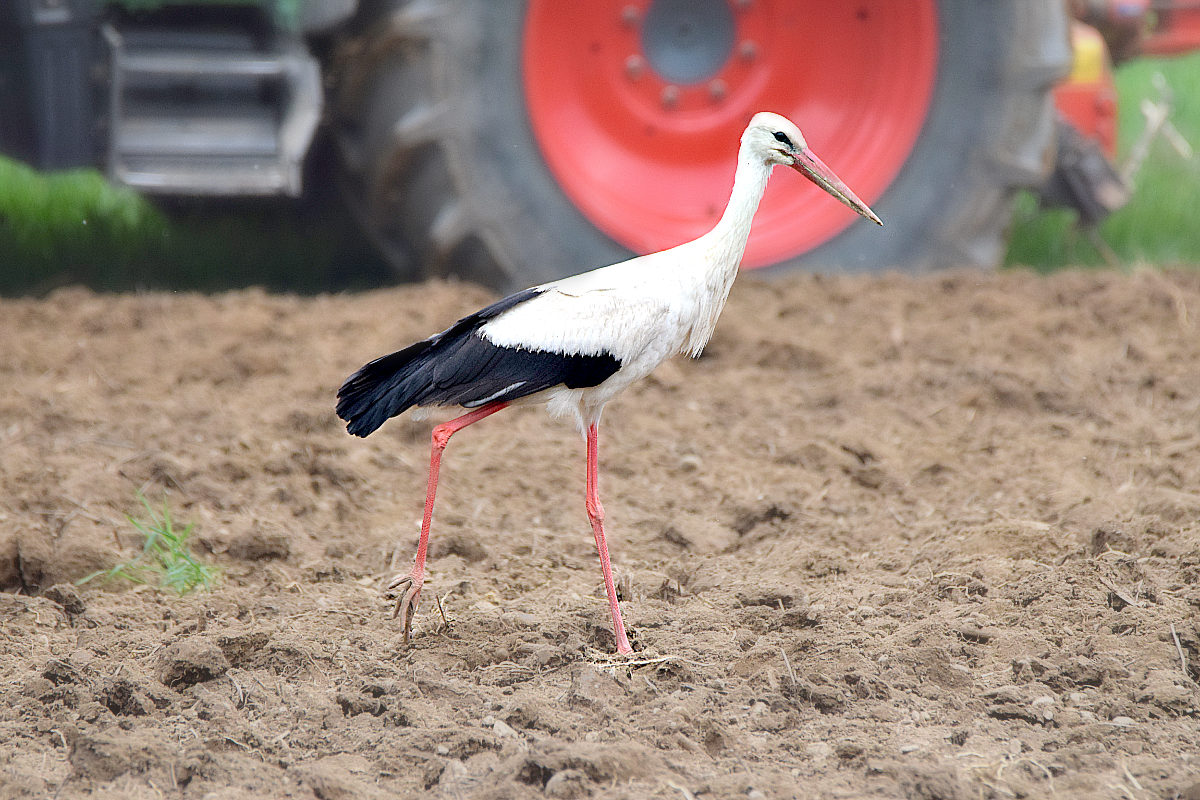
(576, 343)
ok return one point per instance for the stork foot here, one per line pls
(407, 591)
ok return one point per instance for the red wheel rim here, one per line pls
(650, 162)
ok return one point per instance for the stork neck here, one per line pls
(749, 183)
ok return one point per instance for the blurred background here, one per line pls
(325, 145)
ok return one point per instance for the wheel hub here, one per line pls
(687, 41)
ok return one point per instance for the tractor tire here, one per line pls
(990, 133)
(443, 164)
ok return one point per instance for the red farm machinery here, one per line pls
(511, 142)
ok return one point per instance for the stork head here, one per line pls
(778, 141)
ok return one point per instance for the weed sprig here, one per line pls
(166, 559)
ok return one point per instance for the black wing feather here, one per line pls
(460, 367)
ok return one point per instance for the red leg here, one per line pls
(595, 513)
(406, 604)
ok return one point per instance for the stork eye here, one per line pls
(780, 136)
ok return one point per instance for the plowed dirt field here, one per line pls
(932, 537)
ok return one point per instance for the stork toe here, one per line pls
(406, 600)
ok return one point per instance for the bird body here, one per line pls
(639, 312)
(576, 343)
(636, 314)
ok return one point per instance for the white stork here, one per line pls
(575, 343)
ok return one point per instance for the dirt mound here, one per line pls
(929, 537)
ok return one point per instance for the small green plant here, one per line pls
(166, 559)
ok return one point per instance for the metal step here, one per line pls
(255, 135)
(209, 176)
(212, 113)
(202, 62)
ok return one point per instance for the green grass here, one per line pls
(166, 559)
(70, 223)
(1159, 225)
(75, 227)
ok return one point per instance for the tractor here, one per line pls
(516, 141)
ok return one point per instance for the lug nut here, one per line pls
(670, 96)
(631, 15)
(635, 66)
(748, 50)
(717, 89)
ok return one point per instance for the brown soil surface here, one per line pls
(931, 537)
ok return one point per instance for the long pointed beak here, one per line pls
(816, 171)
